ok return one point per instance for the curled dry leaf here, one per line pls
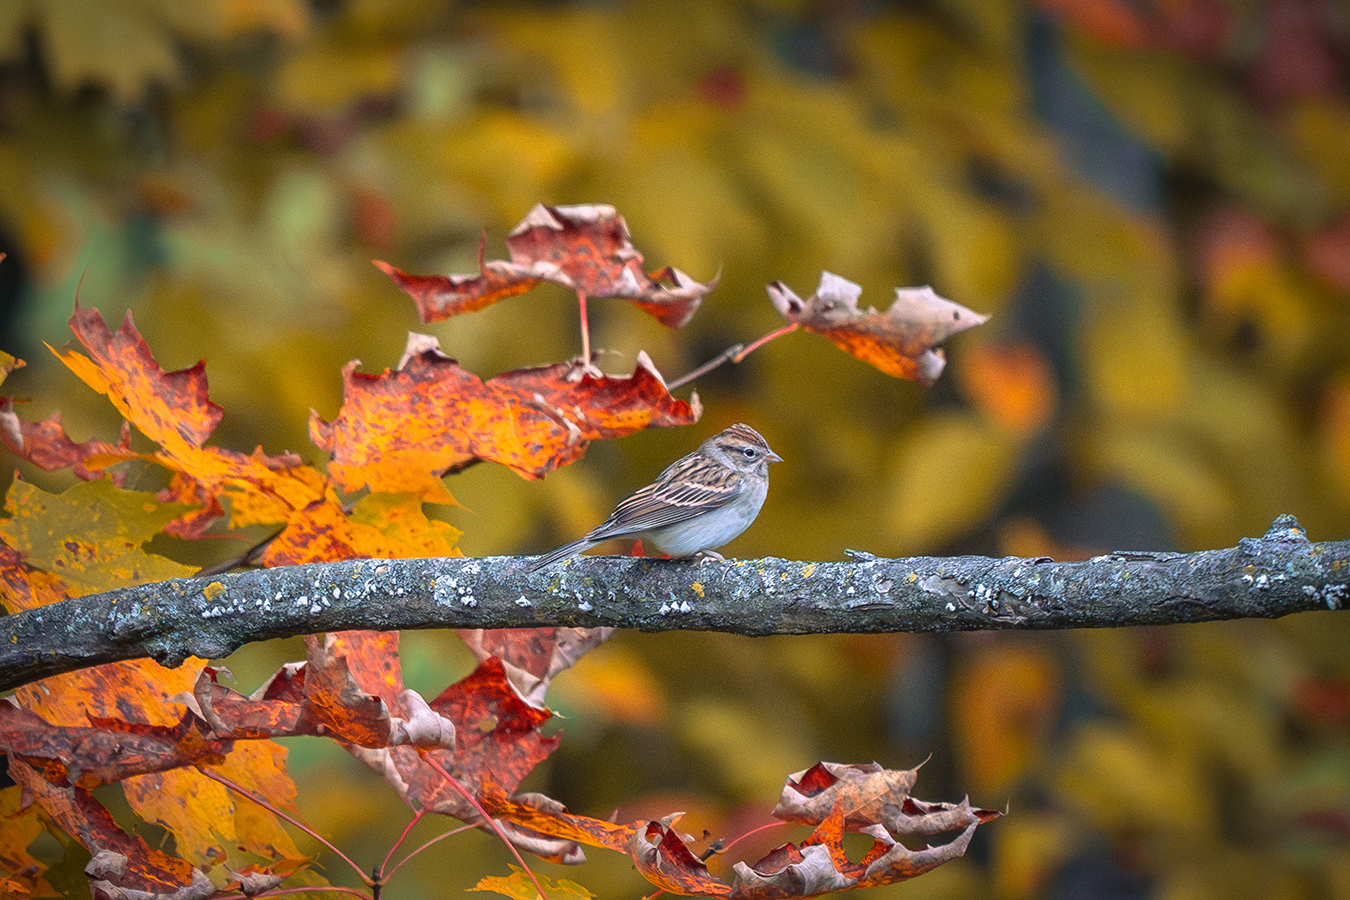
(585, 248)
(874, 794)
(47, 760)
(833, 797)
(663, 858)
(791, 872)
(901, 342)
(399, 431)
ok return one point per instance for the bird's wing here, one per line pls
(678, 495)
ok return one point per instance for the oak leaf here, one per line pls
(901, 342)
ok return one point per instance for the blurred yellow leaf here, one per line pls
(128, 45)
(1126, 784)
(1333, 426)
(1135, 358)
(749, 747)
(327, 77)
(1150, 89)
(1318, 128)
(519, 886)
(1028, 849)
(952, 470)
(1175, 474)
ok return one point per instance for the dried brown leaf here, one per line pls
(901, 342)
(585, 248)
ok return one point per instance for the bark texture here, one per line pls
(1277, 574)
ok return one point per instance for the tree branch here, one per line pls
(1275, 575)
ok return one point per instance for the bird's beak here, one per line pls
(774, 457)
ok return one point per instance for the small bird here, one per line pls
(699, 503)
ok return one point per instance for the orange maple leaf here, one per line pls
(400, 430)
(174, 410)
(901, 342)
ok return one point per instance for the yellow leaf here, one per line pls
(951, 473)
(1135, 355)
(207, 819)
(91, 534)
(1175, 474)
(1126, 783)
(402, 521)
(519, 886)
(327, 77)
(1318, 130)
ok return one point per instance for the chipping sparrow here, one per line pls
(696, 505)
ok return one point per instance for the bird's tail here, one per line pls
(562, 552)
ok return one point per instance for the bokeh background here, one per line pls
(1151, 198)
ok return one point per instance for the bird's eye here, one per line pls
(750, 452)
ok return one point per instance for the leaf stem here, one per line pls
(740, 837)
(467, 795)
(733, 354)
(383, 875)
(267, 805)
(585, 333)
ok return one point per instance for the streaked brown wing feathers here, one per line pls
(678, 495)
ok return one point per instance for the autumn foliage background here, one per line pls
(1152, 200)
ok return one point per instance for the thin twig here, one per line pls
(753, 831)
(707, 367)
(585, 333)
(736, 353)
